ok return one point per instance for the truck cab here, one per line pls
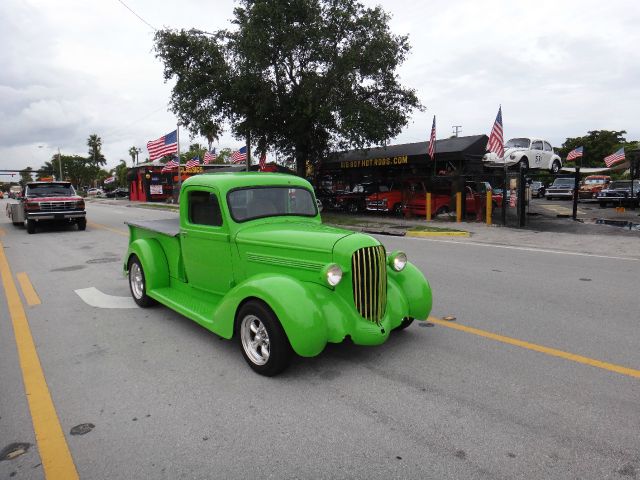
(249, 258)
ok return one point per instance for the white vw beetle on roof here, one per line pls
(530, 152)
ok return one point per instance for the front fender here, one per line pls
(292, 301)
(154, 262)
(416, 289)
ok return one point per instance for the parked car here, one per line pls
(561, 188)
(443, 202)
(391, 201)
(95, 192)
(534, 153)
(355, 200)
(327, 198)
(620, 192)
(592, 185)
(118, 193)
(537, 189)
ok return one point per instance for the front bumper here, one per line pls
(559, 193)
(67, 215)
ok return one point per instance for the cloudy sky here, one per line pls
(559, 68)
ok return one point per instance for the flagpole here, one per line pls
(179, 161)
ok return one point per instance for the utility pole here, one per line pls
(456, 129)
(60, 163)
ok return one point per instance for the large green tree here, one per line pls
(304, 76)
(120, 172)
(597, 145)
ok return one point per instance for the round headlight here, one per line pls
(398, 260)
(334, 275)
(512, 156)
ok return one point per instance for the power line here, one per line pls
(142, 19)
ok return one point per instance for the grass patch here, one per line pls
(158, 206)
(334, 219)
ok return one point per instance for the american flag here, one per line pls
(194, 162)
(614, 157)
(432, 140)
(209, 157)
(164, 145)
(496, 142)
(263, 161)
(170, 165)
(239, 156)
(575, 153)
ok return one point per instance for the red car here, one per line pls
(393, 199)
(445, 202)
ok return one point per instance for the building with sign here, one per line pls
(396, 163)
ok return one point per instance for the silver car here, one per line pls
(561, 188)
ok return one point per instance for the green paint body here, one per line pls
(206, 273)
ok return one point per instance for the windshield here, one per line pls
(50, 190)
(563, 182)
(594, 181)
(518, 143)
(624, 184)
(249, 203)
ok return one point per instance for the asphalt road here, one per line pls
(170, 400)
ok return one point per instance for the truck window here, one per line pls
(248, 203)
(204, 209)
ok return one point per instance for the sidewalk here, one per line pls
(559, 234)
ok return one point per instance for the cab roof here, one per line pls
(227, 181)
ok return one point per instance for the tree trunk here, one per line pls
(301, 163)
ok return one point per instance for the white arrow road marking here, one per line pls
(94, 297)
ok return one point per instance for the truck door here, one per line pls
(204, 238)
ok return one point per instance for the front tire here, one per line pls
(31, 226)
(524, 164)
(555, 167)
(138, 284)
(442, 210)
(263, 342)
(353, 208)
(404, 324)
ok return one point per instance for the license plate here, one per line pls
(59, 216)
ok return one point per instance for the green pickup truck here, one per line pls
(250, 258)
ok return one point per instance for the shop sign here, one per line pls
(155, 189)
(193, 170)
(375, 162)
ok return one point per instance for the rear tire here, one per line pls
(442, 210)
(263, 342)
(138, 284)
(31, 226)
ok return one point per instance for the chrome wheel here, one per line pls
(136, 280)
(255, 340)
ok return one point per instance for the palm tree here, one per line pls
(133, 153)
(94, 142)
(211, 132)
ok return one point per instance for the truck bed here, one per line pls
(169, 226)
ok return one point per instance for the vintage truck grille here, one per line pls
(58, 206)
(369, 269)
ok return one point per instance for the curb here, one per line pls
(437, 234)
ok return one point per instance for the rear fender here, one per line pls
(154, 262)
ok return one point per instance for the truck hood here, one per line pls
(55, 199)
(313, 237)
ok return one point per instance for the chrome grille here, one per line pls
(58, 206)
(369, 272)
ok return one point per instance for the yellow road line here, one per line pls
(104, 227)
(630, 372)
(2, 232)
(52, 446)
(27, 289)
